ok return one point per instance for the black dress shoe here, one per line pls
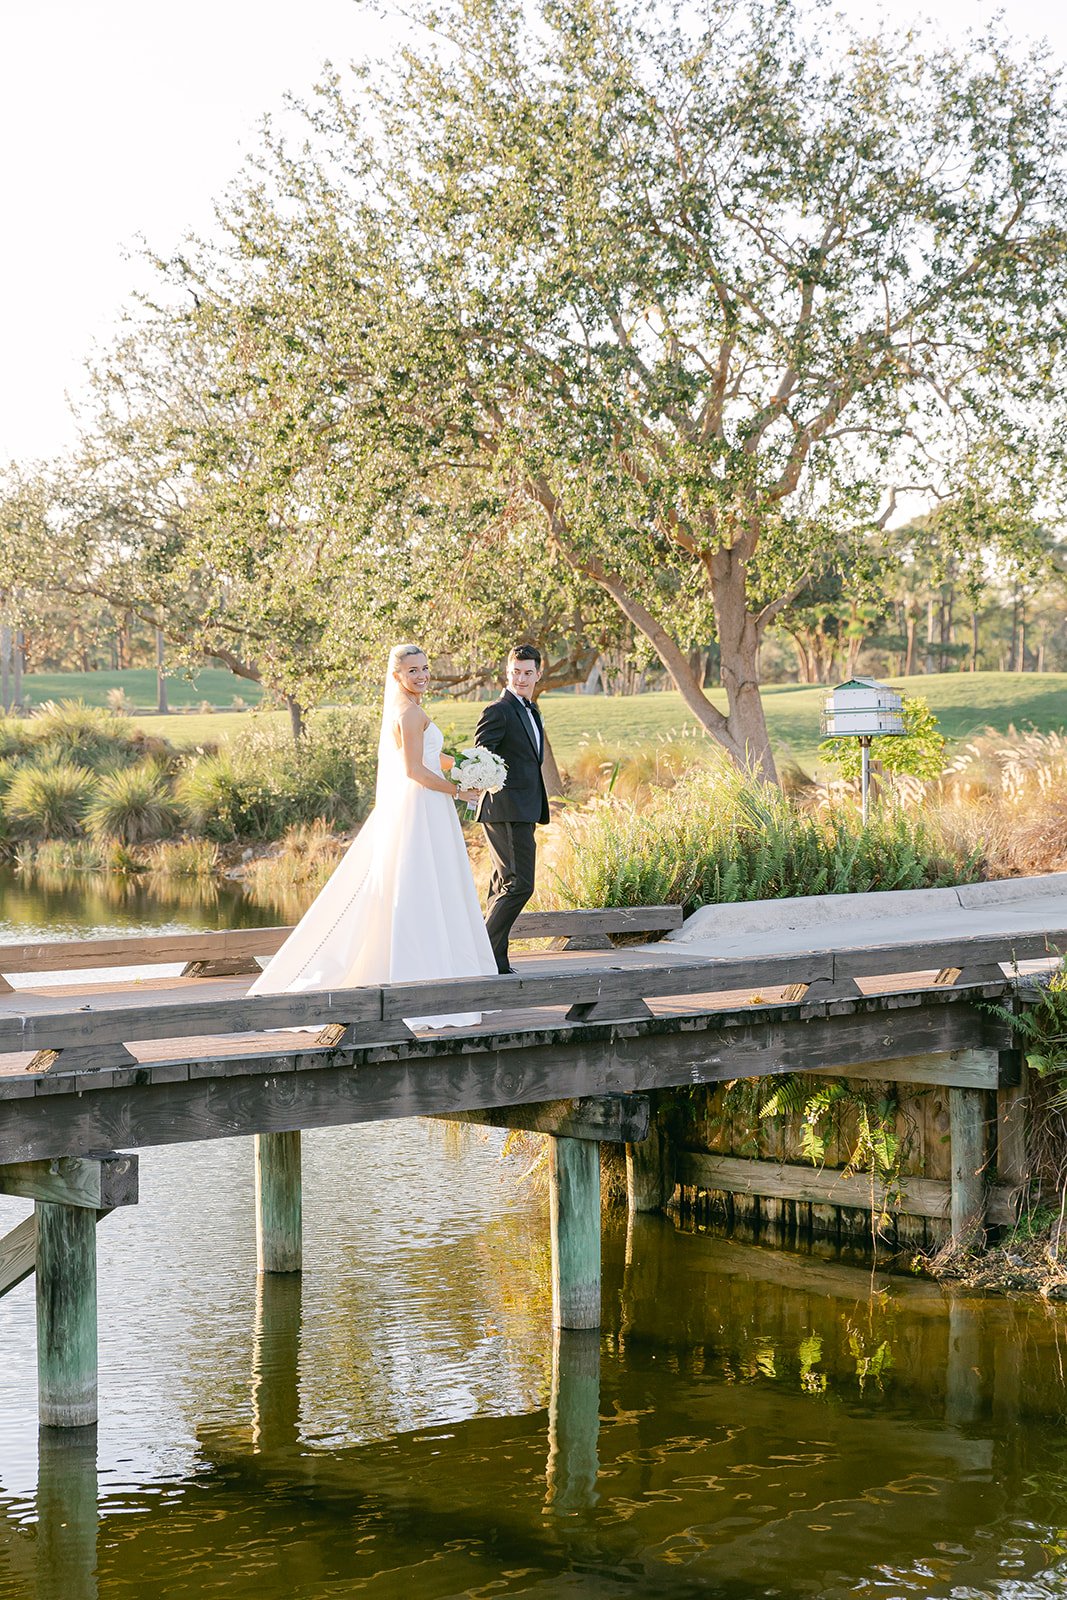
(508, 972)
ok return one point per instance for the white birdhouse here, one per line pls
(863, 708)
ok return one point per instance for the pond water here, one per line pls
(398, 1421)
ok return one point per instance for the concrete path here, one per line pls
(855, 921)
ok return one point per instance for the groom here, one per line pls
(511, 727)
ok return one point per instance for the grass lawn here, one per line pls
(964, 702)
(213, 684)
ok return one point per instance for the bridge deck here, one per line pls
(110, 998)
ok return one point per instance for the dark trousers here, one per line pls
(514, 857)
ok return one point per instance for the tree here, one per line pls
(682, 290)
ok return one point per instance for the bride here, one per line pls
(401, 905)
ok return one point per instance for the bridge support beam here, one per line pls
(66, 1315)
(574, 1212)
(278, 1202)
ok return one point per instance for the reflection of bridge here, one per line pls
(631, 1475)
(567, 1047)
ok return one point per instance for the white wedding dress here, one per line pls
(401, 905)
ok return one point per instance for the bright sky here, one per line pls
(122, 119)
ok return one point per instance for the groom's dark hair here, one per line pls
(525, 652)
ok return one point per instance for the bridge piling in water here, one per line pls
(278, 1202)
(66, 1315)
(574, 1214)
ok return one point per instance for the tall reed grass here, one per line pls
(720, 835)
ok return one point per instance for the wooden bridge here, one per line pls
(92, 1068)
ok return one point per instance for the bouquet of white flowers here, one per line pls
(479, 769)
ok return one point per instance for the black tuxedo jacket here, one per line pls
(504, 728)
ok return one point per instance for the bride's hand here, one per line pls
(471, 796)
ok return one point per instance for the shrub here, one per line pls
(631, 772)
(55, 857)
(70, 731)
(289, 880)
(721, 836)
(263, 782)
(134, 804)
(118, 701)
(183, 858)
(15, 737)
(48, 802)
(919, 752)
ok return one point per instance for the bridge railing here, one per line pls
(233, 951)
(95, 1033)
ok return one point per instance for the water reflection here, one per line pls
(67, 905)
(748, 1424)
(67, 1515)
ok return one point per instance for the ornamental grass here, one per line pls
(720, 835)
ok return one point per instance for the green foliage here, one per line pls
(919, 751)
(48, 802)
(721, 836)
(69, 730)
(60, 856)
(1041, 1027)
(183, 858)
(14, 738)
(262, 783)
(133, 804)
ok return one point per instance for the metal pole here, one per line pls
(865, 774)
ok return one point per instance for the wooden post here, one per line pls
(17, 663)
(650, 1168)
(66, 1315)
(574, 1211)
(161, 682)
(967, 1132)
(278, 1209)
(574, 1421)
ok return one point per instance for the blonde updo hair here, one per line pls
(400, 652)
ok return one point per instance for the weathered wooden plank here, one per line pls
(608, 1119)
(650, 1174)
(973, 1069)
(241, 1054)
(967, 1132)
(66, 1316)
(73, 955)
(94, 1025)
(934, 955)
(472, 1073)
(237, 945)
(81, 1058)
(240, 966)
(587, 985)
(97, 1182)
(922, 1197)
(18, 1254)
(1013, 1158)
(574, 1215)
